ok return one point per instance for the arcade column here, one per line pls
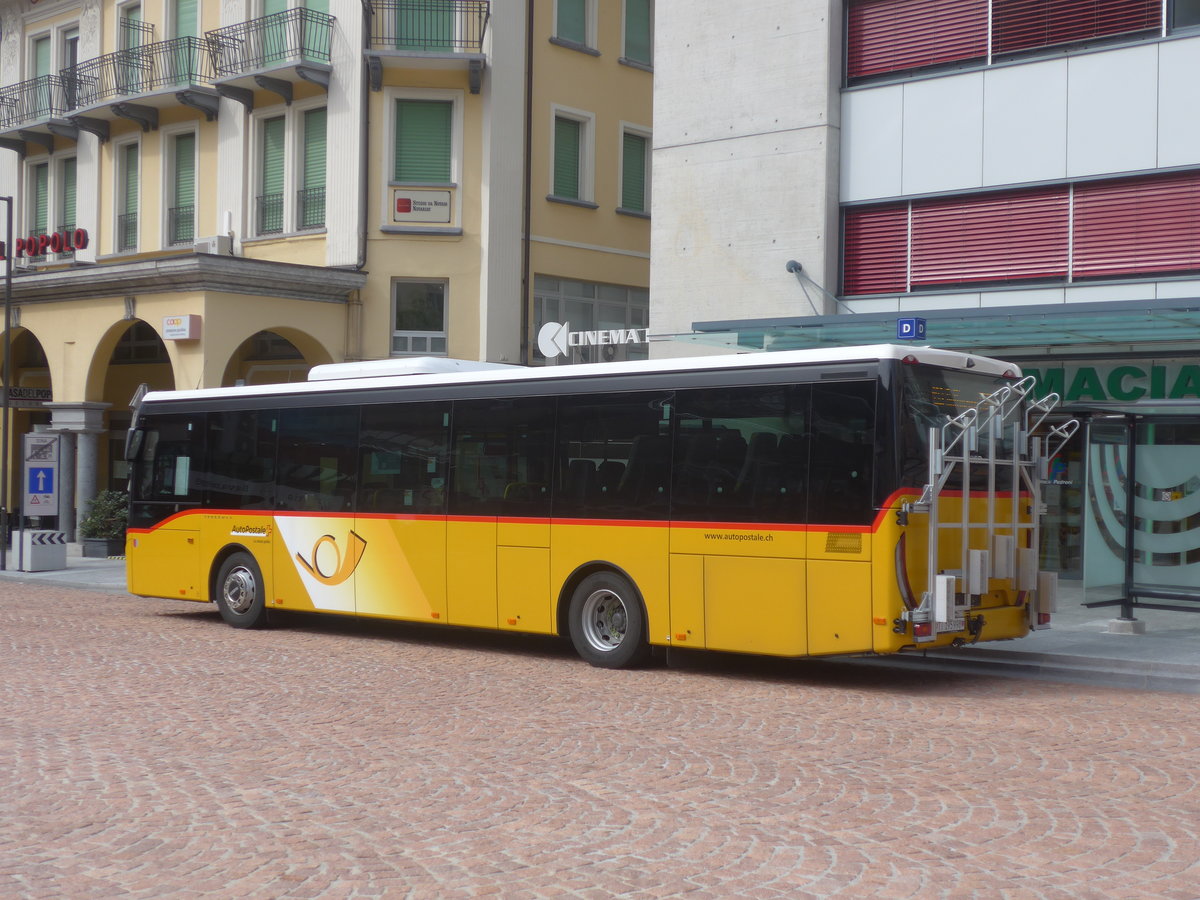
(85, 423)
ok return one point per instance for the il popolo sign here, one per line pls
(64, 241)
(557, 339)
(1124, 381)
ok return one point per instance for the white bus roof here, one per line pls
(415, 372)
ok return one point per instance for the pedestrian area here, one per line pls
(1079, 647)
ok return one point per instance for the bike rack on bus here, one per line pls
(977, 438)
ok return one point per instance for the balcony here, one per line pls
(441, 34)
(273, 53)
(157, 75)
(33, 112)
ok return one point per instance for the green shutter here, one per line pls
(572, 21)
(425, 25)
(41, 192)
(321, 6)
(270, 7)
(638, 14)
(130, 186)
(314, 149)
(41, 57)
(186, 20)
(185, 171)
(633, 172)
(272, 156)
(566, 158)
(67, 194)
(423, 138)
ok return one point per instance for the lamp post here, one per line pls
(4, 437)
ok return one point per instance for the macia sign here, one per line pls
(1124, 382)
(556, 338)
(64, 241)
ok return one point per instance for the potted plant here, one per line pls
(103, 528)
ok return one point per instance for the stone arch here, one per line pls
(33, 384)
(274, 355)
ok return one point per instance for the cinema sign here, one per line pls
(66, 241)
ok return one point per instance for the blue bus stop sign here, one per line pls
(910, 329)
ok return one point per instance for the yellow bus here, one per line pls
(793, 504)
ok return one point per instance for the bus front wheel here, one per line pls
(240, 592)
(607, 624)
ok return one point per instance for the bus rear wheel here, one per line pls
(240, 592)
(606, 621)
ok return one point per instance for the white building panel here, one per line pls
(1178, 122)
(872, 142)
(1112, 112)
(1025, 123)
(943, 134)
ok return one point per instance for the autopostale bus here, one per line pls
(792, 504)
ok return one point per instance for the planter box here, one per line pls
(102, 548)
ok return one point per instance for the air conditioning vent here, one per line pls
(218, 245)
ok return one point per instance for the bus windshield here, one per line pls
(929, 398)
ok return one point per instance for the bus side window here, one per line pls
(613, 457)
(241, 450)
(403, 452)
(170, 468)
(841, 468)
(502, 453)
(318, 458)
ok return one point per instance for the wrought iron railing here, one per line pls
(310, 206)
(32, 100)
(127, 232)
(268, 213)
(297, 35)
(177, 63)
(181, 224)
(433, 26)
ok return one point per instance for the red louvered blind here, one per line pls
(1008, 236)
(1026, 24)
(894, 35)
(875, 250)
(1137, 225)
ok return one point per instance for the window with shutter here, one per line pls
(633, 172)
(1137, 226)
(567, 145)
(1007, 236)
(875, 248)
(271, 174)
(185, 19)
(182, 213)
(312, 191)
(896, 35)
(639, 20)
(39, 195)
(127, 218)
(1028, 24)
(424, 25)
(423, 141)
(571, 21)
(66, 198)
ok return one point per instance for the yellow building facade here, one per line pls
(209, 193)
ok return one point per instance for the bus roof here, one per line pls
(414, 372)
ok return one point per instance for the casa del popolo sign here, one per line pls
(1123, 381)
(64, 241)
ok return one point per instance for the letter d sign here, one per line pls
(910, 329)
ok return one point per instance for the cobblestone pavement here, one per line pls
(147, 750)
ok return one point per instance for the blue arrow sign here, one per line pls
(41, 481)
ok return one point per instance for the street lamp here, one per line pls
(8, 229)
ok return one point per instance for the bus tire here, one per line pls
(607, 623)
(241, 593)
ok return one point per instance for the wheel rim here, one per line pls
(604, 620)
(239, 590)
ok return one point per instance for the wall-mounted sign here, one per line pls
(181, 328)
(556, 338)
(29, 397)
(420, 206)
(1123, 381)
(65, 241)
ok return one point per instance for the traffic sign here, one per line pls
(41, 479)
